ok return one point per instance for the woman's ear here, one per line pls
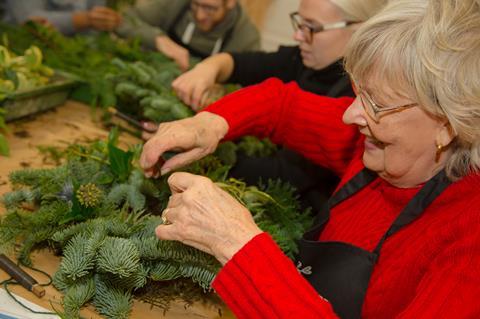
(446, 134)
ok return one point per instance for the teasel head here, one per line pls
(89, 195)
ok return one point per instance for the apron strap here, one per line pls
(359, 181)
(432, 189)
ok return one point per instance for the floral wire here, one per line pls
(11, 281)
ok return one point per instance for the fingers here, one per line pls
(180, 182)
(199, 93)
(105, 19)
(181, 160)
(190, 88)
(182, 87)
(152, 151)
(175, 200)
(149, 130)
(183, 60)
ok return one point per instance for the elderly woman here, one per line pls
(322, 30)
(402, 237)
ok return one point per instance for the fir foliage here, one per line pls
(118, 256)
(111, 239)
(110, 301)
(77, 295)
(78, 257)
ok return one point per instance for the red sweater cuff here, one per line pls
(262, 282)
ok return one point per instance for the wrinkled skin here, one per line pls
(204, 216)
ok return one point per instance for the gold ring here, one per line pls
(165, 221)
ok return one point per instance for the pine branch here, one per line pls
(111, 302)
(79, 256)
(78, 295)
(118, 256)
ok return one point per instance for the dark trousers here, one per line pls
(314, 183)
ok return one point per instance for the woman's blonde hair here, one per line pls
(359, 10)
(430, 51)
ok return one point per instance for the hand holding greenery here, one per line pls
(100, 212)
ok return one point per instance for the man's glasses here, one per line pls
(375, 110)
(308, 30)
(206, 8)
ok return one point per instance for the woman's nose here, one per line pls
(355, 113)
(299, 36)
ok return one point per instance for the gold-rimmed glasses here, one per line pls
(373, 109)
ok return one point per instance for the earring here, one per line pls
(439, 152)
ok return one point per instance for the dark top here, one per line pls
(286, 64)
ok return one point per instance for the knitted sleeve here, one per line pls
(254, 286)
(304, 122)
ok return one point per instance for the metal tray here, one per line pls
(55, 93)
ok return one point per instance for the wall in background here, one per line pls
(271, 17)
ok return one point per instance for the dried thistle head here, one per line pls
(89, 195)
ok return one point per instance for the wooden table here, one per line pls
(72, 122)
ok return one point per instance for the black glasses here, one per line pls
(206, 8)
(308, 30)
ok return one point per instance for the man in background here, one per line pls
(182, 28)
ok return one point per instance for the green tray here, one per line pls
(21, 104)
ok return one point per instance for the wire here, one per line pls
(11, 281)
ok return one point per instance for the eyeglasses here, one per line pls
(373, 109)
(206, 8)
(308, 31)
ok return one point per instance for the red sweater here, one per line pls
(429, 269)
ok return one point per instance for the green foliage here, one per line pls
(144, 91)
(129, 194)
(254, 147)
(111, 301)
(118, 256)
(77, 295)
(87, 57)
(78, 257)
(23, 72)
(120, 162)
(4, 149)
(10, 200)
(104, 224)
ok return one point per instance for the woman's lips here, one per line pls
(373, 144)
(304, 53)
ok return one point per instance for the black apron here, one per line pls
(340, 272)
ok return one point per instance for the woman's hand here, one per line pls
(202, 215)
(192, 86)
(194, 137)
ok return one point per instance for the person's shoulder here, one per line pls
(464, 195)
(244, 22)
